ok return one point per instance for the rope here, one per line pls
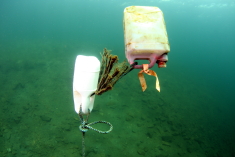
(84, 127)
(83, 144)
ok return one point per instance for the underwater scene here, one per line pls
(193, 115)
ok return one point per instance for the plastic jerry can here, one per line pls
(145, 35)
(85, 80)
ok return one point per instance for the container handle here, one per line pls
(152, 60)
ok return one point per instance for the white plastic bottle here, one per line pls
(85, 80)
